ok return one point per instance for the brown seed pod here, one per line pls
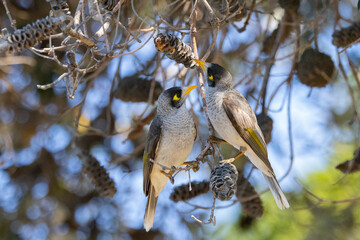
(223, 181)
(31, 34)
(59, 7)
(315, 69)
(253, 207)
(87, 141)
(290, 5)
(175, 49)
(346, 36)
(108, 4)
(351, 166)
(99, 177)
(246, 221)
(266, 125)
(287, 21)
(230, 7)
(137, 89)
(182, 192)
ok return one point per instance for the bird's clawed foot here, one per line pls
(170, 173)
(195, 165)
(216, 140)
(231, 160)
(164, 168)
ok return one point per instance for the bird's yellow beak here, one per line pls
(189, 89)
(201, 63)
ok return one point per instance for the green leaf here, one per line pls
(359, 5)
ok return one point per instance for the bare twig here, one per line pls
(212, 218)
(50, 85)
(269, 65)
(13, 22)
(214, 20)
(200, 78)
(324, 200)
(353, 99)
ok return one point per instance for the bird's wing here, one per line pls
(152, 143)
(244, 121)
(195, 131)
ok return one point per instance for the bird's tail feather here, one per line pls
(276, 191)
(150, 209)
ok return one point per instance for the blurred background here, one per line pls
(71, 155)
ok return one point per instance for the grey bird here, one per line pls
(169, 142)
(236, 123)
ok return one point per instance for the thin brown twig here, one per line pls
(269, 65)
(289, 81)
(324, 200)
(212, 218)
(200, 75)
(50, 85)
(350, 45)
(247, 18)
(12, 22)
(353, 70)
(353, 100)
(212, 45)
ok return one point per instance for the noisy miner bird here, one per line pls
(236, 123)
(169, 142)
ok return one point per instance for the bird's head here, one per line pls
(216, 76)
(173, 98)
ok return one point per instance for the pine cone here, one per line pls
(108, 4)
(246, 221)
(175, 49)
(31, 35)
(182, 192)
(87, 141)
(290, 5)
(60, 6)
(266, 125)
(346, 36)
(99, 177)
(315, 69)
(235, 6)
(252, 208)
(351, 166)
(223, 181)
(136, 89)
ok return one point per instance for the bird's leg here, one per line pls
(169, 174)
(195, 165)
(230, 160)
(214, 139)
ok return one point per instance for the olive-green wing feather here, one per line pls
(151, 146)
(244, 121)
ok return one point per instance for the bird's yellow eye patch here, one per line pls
(176, 98)
(211, 77)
